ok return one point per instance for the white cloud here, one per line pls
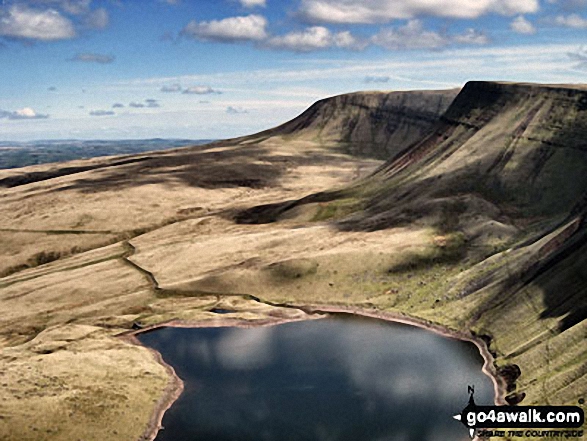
(97, 19)
(170, 89)
(24, 113)
(382, 11)
(253, 3)
(235, 110)
(33, 24)
(571, 21)
(199, 90)
(246, 28)
(376, 79)
(411, 36)
(90, 57)
(347, 40)
(522, 26)
(314, 38)
(471, 36)
(102, 113)
(152, 103)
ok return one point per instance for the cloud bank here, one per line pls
(102, 113)
(245, 28)
(314, 38)
(383, 11)
(34, 24)
(24, 113)
(90, 57)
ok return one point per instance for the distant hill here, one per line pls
(370, 124)
(21, 154)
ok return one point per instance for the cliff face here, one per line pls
(506, 167)
(518, 145)
(374, 124)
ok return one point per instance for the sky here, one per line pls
(211, 69)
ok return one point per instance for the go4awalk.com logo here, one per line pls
(518, 420)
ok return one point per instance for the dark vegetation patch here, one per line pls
(510, 374)
(452, 250)
(28, 178)
(269, 213)
(244, 166)
(292, 269)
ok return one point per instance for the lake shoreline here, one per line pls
(313, 312)
(172, 392)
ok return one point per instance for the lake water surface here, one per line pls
(333, 379)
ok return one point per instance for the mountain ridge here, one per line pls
(503, 177)
(375, 123)
(477, 227)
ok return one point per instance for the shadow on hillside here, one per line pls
(421, 202)
(563, 281)
(240, 166)
(31, 177)
(562, 278)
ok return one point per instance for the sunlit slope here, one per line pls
(73, 237)
(502, 181)
(522, 149)
(100, 201)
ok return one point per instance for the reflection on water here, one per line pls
(335, 379)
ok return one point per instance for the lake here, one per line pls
(333, 379)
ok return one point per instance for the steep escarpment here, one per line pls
(317, 143)
(521, 146)
(501, 181)
(373, 124)
(506, 168)
(510, 153)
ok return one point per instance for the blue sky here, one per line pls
(115, 69)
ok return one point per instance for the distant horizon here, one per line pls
(16, 154)
(103, 69)
(31, 141)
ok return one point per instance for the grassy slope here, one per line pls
(505, 171)
(474, 228)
